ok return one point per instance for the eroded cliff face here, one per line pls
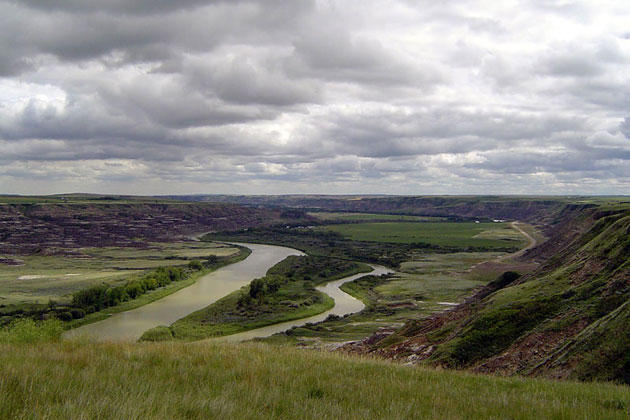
(568, 319)
(50, 228)
(509, 208)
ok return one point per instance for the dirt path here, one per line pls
(532, 243)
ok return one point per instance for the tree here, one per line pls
(256, 288)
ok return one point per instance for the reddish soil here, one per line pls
(530, 350)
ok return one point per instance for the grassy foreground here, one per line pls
(250, 381)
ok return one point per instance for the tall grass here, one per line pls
(251, 381)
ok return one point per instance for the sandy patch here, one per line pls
(31, 277)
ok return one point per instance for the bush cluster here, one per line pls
(28, 331)
(259, 289)
(95, 298)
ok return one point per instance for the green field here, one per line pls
(436, 233)
(79, 380)
(42, 278)
(370, 216)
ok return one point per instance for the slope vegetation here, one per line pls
(568, 319)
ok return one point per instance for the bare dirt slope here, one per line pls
(52, 228)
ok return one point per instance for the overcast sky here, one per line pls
(267, 97)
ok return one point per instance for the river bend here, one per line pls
(130, 325)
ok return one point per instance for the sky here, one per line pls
(342, 97)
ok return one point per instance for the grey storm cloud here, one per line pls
(356, 96)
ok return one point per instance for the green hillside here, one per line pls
(568, 319)
(253, 381)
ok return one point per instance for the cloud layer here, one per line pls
(406, 97)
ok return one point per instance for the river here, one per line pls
(344, 304)
(129, 325)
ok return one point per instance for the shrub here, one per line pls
(195, 265)
(211, 259)
(504, 279)
(273, 285)
(332, 317)
(134, 289)
(115, 296)
(77, 313)
(159, 333)
(175, 274)
(28, 331)
(256, 287)
(102, 296)
(93, 296)
(244, 300)
(65, 316)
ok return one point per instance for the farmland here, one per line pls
(331, 216)
(435, 233)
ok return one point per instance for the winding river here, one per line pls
(344, 304)
(129, 325)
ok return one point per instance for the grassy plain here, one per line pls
(42, 278)
(370, 216)
(435, 233)
(251, 381)
(388, 244)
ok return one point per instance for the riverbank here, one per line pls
(157, 294)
